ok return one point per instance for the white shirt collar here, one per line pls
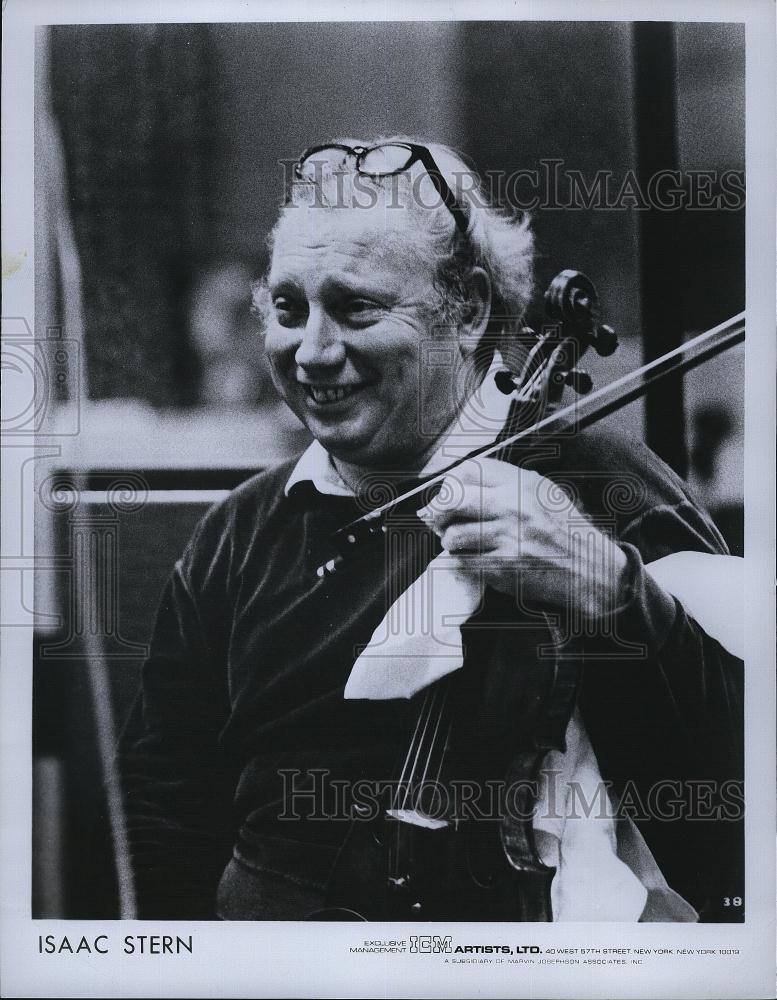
(315, 466)
(477, 425)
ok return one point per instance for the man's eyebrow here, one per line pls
(336, 287)
(283, 285)
(355, 285)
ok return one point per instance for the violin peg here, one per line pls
(580, 381)
(605, 340)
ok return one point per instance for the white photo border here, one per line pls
(297, 959)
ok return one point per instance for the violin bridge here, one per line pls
(416, 818)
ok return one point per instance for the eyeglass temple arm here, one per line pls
(443, 189)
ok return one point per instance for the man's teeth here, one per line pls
(326, 395)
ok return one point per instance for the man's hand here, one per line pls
(525, 537)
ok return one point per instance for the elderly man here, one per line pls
(388, 303)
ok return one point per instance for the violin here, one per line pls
(414, 862)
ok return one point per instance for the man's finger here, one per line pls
(470, 538)
(458, 501)
(493, 472)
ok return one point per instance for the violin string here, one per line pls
(522, 394)
(418, 751)
(426, 713)
(444, 750)
(433, 740)
(536, 349)
(425, 708)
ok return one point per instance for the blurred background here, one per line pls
(159, 173)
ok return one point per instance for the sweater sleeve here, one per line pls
(176, 774)
(702, 680)
(663, 703)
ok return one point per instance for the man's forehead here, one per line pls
(354, 235)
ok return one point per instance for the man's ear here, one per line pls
(474, 322)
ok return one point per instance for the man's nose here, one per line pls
(321, 345)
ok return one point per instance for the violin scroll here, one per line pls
(572, 306)
(572, 300)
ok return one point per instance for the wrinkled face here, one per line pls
(349, 335)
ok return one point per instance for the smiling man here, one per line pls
(353, 299)
(388, 304)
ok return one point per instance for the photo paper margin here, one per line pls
(284, 959)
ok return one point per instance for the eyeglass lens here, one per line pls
(378, 162)
(310, 168)
(383, 160)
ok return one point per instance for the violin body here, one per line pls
(452, 874)
(464, 847)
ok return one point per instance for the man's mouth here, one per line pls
(323, 394)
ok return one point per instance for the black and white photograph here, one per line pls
(388, 486)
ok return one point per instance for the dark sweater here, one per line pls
(251, 653)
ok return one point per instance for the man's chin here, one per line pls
(364, 450)
(355, 452)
